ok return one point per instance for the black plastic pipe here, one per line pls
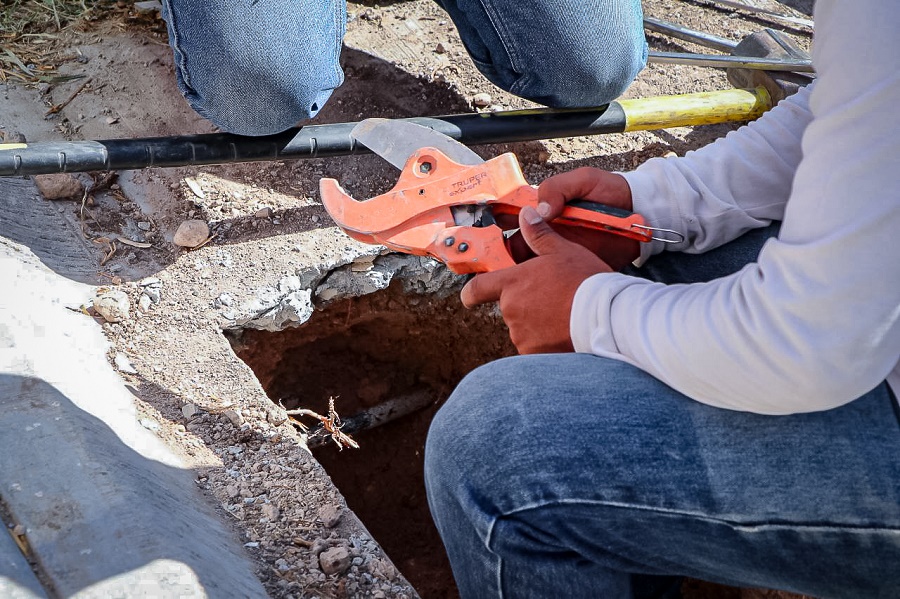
(310, 141)
(325, 141)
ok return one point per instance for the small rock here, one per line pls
(145, 302)
(144, 226)
(150, 282)
(113, 306)
(270, 512)
(440, 48)
(315, 218)
(124, 364)
(150, 425)
(189, 410)
(363, 264)
(235, 417)
(282, 565)
(276, 417)
(264, 213)
(225, 300)
(17, 137)
(670, 154)
(326, 293)
(481, 100)
(232, 491)
(152, 293)
(58, 186)
(383, 568)
(335, 561)
(191, 233)
(330, 515)
(149, 6)
(112, 120)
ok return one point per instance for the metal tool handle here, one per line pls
(600, 217)
(762, 11)
(689, 35)
(730, 62)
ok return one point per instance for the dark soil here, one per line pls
(364, 351)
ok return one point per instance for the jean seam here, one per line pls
(698, 516)
(895, 404)
(622, 551)
(340, 22)
(487, 545)
(625, 553)
(511, 53)
(176, 44)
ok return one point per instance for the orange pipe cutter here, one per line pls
(446, 198)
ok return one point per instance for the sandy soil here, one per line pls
(271, 241)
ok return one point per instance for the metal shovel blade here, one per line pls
(396, 141)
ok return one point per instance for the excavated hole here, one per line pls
(366, 351)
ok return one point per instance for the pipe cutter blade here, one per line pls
(445, 200)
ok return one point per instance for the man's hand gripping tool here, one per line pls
(446, 198)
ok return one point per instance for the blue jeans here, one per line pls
(260, 67)
(572, 475)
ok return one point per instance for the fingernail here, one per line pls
(530, 215)
(543, 209)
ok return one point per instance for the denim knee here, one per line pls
(270, 104)
(587, 74)
(256, 68)
(560, 53)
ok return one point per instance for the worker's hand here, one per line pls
(586, 184)
(536, 296)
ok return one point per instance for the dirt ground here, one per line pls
(212, 343)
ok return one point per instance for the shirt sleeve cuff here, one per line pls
(590, 322)
(650, 202)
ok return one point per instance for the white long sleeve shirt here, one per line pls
(815, 322)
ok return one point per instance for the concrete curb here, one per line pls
(107, 509)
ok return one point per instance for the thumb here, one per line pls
(538, 233)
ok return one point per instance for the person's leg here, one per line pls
(256, 68)
(578, 474)
(572, 475)
(560, 53)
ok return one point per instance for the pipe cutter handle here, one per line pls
(421, 214)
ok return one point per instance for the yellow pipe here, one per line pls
(705, 108)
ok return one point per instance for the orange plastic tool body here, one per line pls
(417, 215)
